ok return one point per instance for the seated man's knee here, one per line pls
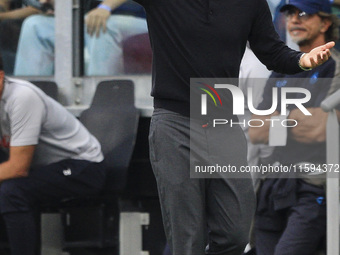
(113, 23)
(33, 22)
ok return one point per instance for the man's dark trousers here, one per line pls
(191, 206)
(21, 198)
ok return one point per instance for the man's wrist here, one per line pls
(105, 7)
(299, 63)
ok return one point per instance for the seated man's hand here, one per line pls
(310, 129)
(47, 7)
(316, 56)
(96, 21)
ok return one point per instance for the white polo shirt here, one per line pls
(29, 117)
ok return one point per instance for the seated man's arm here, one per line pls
(18, 164)
(24, 110)
(19, 13)
(260, 135)
(96, 18)
(310, 129)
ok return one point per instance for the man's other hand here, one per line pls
(96, 21)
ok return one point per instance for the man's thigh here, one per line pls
(230, 198)
(186, 201)
(52, 183)
(266, 241)
(127, 25)
(182, 199)
(269, 223)
(306, 226)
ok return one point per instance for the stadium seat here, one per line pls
(49, 87)
(113, 119)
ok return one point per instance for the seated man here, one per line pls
(103, 40)
(12, 14)
(50, 156)
(291, 212)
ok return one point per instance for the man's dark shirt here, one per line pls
(207, 38)
(318, 82)
(281, 193)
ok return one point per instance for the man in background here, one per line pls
(103, 45)
(12, 14)
(291, 212)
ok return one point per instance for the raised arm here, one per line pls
(96, 18)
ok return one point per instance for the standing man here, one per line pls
(291, 213)
(46, 155)
(206, 38)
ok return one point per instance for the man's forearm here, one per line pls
(10, 170)
(310, 129)
(19, 13)
(18, 164)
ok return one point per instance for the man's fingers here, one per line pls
(101, 26)
(90, 25)
(90, 30)
(96, 21)
(326, 46)
(319, 58)
(313, 63)
(330, 45)
(324, 56)
(104, 27)
(97, 27)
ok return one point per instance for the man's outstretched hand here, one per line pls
(316, 56)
